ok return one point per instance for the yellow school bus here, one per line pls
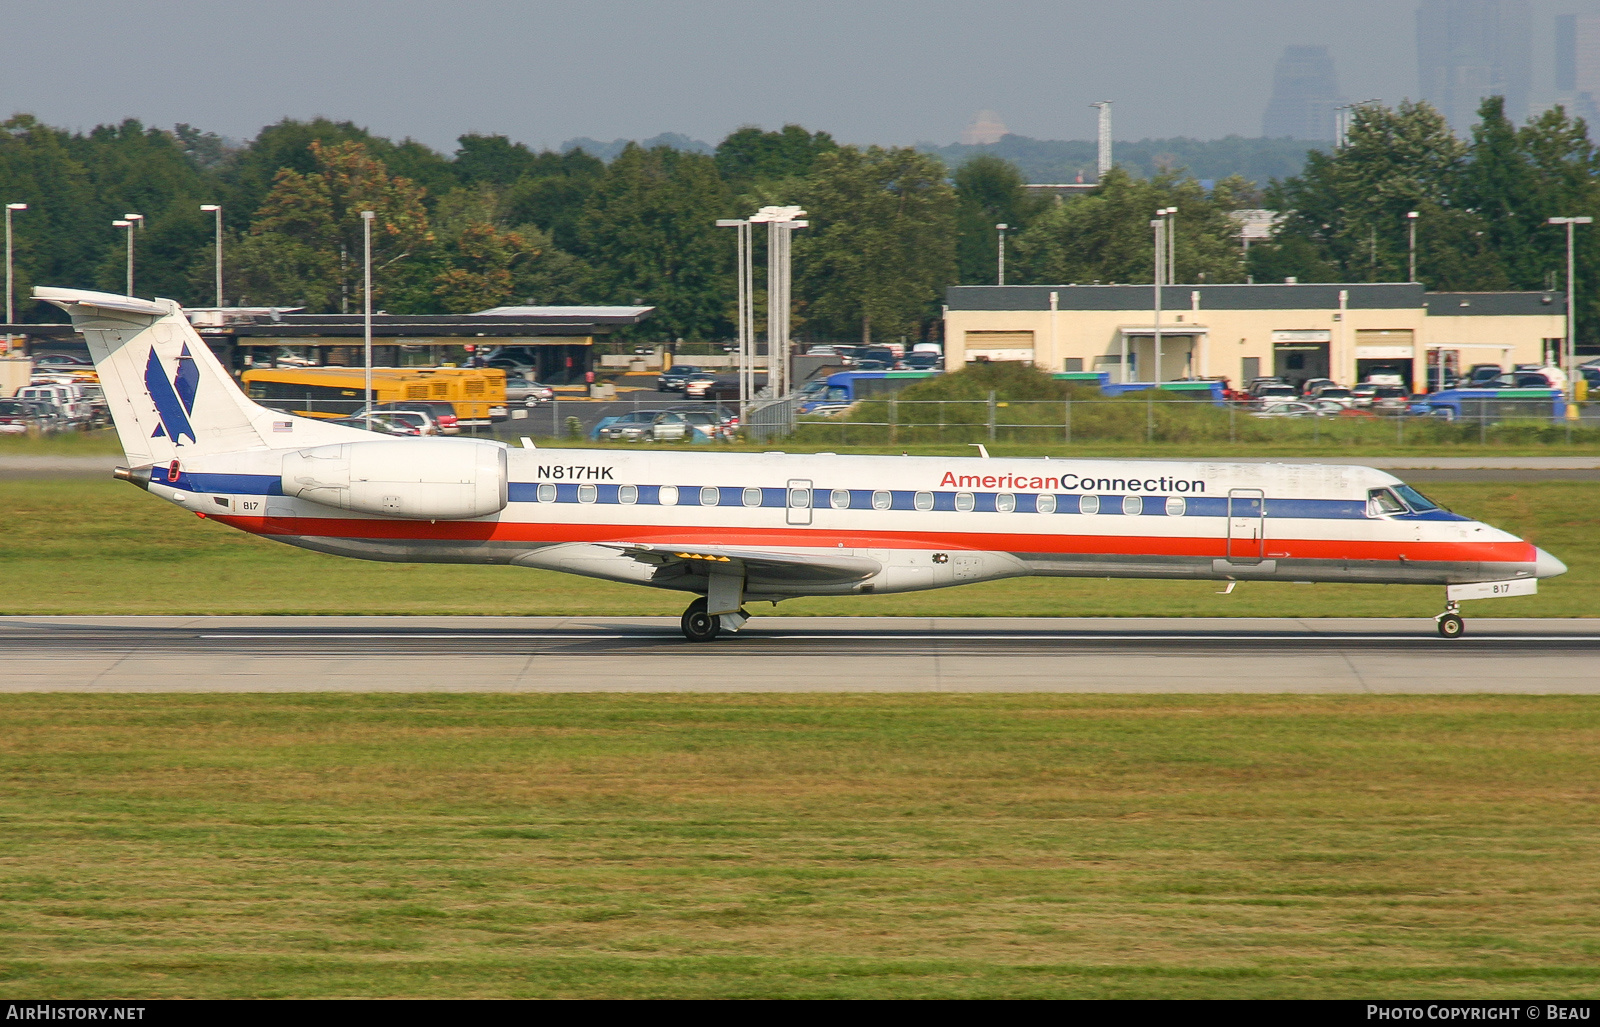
(478, 394)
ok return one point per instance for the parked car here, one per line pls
(440, 417)
(524, 390)
(674, 378)
(1479, 373)
(1390, 399)
(922, 360)
(707, 425)
(69, 400)
(61, 360)
(629, 427)
(1311, 386)
(393, 423)
(1297, 408)
(1268, 395)
(1335, 394)
(19, 417)
(695, 385)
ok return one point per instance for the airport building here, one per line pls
(1239, 332)
(557, 341)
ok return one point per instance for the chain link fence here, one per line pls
(1145, 418)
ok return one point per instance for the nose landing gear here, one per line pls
(1450, 623)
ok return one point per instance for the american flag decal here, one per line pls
(283, 426)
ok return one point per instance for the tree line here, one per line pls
(496, 223)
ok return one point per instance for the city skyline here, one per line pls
(870, 71)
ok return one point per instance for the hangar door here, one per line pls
(997, 346)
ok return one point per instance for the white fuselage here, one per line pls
(910, 522)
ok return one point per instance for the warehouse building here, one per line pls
(1239, 332)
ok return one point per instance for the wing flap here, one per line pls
(757, 565)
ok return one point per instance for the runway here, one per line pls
(794, 654)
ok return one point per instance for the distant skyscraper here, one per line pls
(1470, 49)
(986, 129)
(1578, 65)
(1305, 91)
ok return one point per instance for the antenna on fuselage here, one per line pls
(983, 450)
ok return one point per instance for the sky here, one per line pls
(893, 72)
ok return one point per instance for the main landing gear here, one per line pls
(1450, 623)
(700, 626)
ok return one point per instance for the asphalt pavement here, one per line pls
(795, 654)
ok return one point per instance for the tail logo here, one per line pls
(173, 397)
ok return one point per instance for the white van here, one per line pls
(69, 400)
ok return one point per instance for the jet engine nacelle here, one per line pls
(422, 479)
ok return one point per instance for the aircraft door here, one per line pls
(798, 501)
(1247, 534)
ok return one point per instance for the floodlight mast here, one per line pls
(11, 208)
(746, 275)
(130, 222)
(1571, 345)
(781, 224)
(216, 208)
(366, 305)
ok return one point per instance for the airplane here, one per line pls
(733, 528)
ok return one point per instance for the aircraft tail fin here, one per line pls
(169, 395)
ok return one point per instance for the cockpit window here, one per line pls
(1383, 503)
(1416, 500)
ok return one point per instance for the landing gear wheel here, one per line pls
(1451, 626)
(698, 625)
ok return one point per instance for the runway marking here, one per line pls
(925, 638)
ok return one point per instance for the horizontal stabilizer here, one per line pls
(68, 298)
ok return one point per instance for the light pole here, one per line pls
(781, 223)
(1411, 224)
(1159, 224)
(366, 303)
(747, 344)
(1572, 312)
(1001, 228)
(1172, 245)
(216, 208)
(10, 289)
(131, 222)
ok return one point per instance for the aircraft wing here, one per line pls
(756, 565)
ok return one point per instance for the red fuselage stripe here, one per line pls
(815, 538)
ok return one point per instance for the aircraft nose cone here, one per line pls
(1547, 566)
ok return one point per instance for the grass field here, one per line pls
(92, 546)
(821, 846)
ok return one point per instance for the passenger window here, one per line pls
(882, 500)
(1046, 503)
(667, 495)
(923, 501)
(1383, 503)
(1176, 506)
(1005, 502)
(547, 493)
(965, 502)
(1132, 506)
(752, 497)
(799, 499)
(709, 495)
(839, 499)
(588, 493)
(627, 495)
(1089, 504)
